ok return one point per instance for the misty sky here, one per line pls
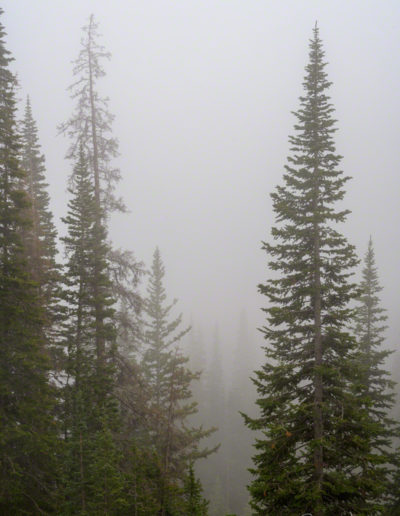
(202, 92)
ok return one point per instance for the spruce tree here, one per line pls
(370, 326)
(374, 386)
(169, 382)
(40, 237)
(28, 433)
(90, 124)
(195, 504)
(93, 481)
(114, 273)
(315, 437)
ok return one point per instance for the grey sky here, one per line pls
(202, 93)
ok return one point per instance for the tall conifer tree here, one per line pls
(90, 124)
(90, 127)
(40, 237)
(369, 329)
(169, 381)
(93, 481)
(374, 386)
(28, 478)
(195, 504)
(315, 431)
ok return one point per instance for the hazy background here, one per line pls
(202, 93)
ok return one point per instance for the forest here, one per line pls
(116, 398)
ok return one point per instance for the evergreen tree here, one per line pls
(315, 432)
(195, 503)
(28, 434)
(92, 478)
(374, 387)
(40, 237)
(90, 124)
(169, 381)
(112, 282)
(369, 329)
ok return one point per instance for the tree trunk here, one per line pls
(318, 389)
(100, 345)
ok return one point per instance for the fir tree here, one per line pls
(110, 287)
(40, 237)
(195, 505)
(374, 387)
(28, 438)
(168, 379)
(369, 329)
(90, 124)
(92, 478)
(315, 432)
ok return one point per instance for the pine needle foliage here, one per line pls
(91, 122)
(314, 432)
(92, 477)
(40, 237)
(374, 386)
(170, 398)
(28, 434)
(195, 505)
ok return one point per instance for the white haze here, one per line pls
(202, 93)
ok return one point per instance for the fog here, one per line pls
(202, 94)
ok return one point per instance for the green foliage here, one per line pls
(90, 124)
(106, 481)
(315, 433)
(40, 237)
(28, 434)
(169, 383)
(195, 503)
(92, 477)
(373, 385)
(142, 479)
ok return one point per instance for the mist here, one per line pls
(203, 95)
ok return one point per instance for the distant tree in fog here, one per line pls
(374, 386)
(169, 382)
(90, 123)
